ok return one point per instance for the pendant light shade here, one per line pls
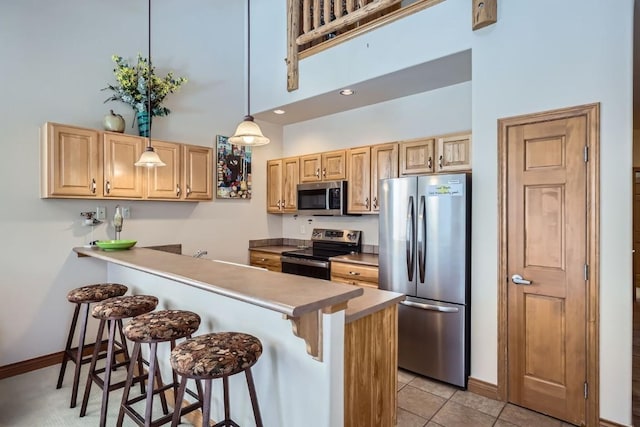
(248, 132)
(150, 158)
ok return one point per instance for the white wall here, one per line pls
(56, 56)
(534, 60)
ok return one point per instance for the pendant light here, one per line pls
(248, 132)
(149, 157)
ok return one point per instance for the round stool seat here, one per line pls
(96, 293)
(124, 306)
(162, 325)
(216, 355)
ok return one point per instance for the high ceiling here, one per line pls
(424, 77)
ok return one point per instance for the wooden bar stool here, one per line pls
(82, 297)
(153, 328)
(113, 310)
(216, 355)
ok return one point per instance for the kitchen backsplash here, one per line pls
(367, 249)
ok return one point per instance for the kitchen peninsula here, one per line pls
(342, 371)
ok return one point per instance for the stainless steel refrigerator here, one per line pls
(424, 252)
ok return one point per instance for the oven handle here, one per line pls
(303, 261)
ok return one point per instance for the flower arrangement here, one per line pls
(132, 86)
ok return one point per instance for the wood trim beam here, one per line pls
(485, 12)
(309, 328)
(483, 388)
(293, 29)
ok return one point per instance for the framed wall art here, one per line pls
(233, 170)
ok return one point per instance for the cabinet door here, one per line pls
(122, 178)
(334, 165)
(454, 153)
(198, 172)
(274, 186)
(359, 177)
(310, 168)
(165, 182)
(384, 164)
(416, 156)
(291, 169)
(72, 162)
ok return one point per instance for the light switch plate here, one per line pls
(101, 213)
(126, 212)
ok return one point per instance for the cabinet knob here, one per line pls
(178, 191)
(375, 203)
(283, 204)
(429, 163)
(107, 187)
(93, 185)
(440, 162)
(278, 204)
(318, 173)
(324, 172)
(188, 190)
(354, 273)
(366, 203)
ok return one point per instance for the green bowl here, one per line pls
(115, 245)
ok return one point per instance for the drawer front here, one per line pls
(354, 282)
(265, 259)
(351, 272)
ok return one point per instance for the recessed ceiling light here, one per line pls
(278, 111)
(347, 92)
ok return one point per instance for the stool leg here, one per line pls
(206, 405)
(225, 387)
(81, 338)
(153, 360)
(127, 385)
(122, 343)
(159, 383)
(107, 374)
(92, 370)
(67, 348)
(254, 398)
(178, 404)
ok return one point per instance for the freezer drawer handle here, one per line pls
(430, 307)
(518, 280)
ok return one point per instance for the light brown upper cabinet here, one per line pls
(166, 182)
(122, 179)
(328, 166)
(416, 156)
(71, 162)
(87, 163)
(282, 180)
(367, 165)
(445, 153)
(454, 153)
(198, 172)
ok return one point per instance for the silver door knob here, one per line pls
(518, 280)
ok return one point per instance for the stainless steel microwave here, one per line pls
(322, 198)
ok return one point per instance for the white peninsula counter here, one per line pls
(323, 341)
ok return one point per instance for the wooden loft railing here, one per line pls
(315, 25)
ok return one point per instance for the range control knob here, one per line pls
(351, 236)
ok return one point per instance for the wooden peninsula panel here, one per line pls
(370, 369)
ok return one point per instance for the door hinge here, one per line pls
(586, 154)
(586, 272)
(586, 390)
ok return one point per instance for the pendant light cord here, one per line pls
(149, 79)
(248, 57)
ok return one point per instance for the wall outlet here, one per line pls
(303, 229)
(126, 212)
(101, 213)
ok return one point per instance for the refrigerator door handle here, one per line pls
(430, 307)
(422, 238)
(409, 240)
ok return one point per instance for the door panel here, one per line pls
(546, 244)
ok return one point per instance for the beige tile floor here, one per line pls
(426, 403)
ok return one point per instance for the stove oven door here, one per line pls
(306, 267)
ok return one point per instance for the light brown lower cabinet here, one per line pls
(354, 274)
(268, 260)
(370, 369)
